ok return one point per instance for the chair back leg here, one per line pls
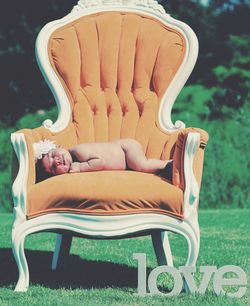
(162, 248)
(62, 250)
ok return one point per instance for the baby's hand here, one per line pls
(75, 167)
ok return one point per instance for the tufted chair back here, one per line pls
(115, 68)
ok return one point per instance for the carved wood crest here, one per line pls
(152, 4)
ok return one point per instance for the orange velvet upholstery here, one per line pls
(115, 68)
(106, 192)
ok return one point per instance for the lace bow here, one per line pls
(42, 147)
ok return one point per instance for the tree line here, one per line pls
(222, 28)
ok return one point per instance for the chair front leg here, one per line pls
(18, 251)
(162, 248)
(62, 249)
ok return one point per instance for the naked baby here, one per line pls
(116, 155)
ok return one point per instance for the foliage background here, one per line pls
(215, 98)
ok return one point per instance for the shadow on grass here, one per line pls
(75, 272)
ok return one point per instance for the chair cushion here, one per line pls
(105, 193)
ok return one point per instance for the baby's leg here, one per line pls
(136, 159)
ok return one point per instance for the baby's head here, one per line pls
(51, 159)
(57, 161)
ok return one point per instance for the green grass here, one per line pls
(102, 272)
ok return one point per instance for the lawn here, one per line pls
(103, 272)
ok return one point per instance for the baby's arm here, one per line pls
(87, 160)
(93, 164)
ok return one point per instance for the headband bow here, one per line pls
(42, 147)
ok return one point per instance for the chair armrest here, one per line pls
(20, 184)
(188, 162)
(23, 166)
(179, 153)
(188, 166)
(192, 189)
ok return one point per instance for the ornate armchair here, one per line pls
(115, 69)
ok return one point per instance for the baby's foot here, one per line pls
(167, 172)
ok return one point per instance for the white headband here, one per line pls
(42, 147)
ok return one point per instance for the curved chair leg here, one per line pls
(193, 252)
(162, 248)
(18, 251)
(62, 249)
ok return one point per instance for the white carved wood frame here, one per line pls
(107, 226)
(148, 8)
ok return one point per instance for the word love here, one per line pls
(185, 276)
